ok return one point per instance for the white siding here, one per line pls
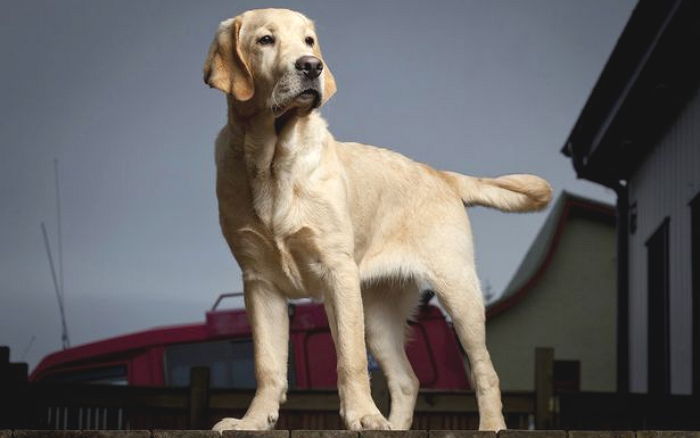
(662, 187)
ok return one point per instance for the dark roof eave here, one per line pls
(631, 101)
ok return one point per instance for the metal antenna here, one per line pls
(59, 228)
(64, 334)
(26, 349)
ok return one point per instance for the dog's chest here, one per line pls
(270, 233)
(285, 259)
(278, 207)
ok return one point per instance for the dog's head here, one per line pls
(269, 59)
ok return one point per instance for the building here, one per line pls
(639, 133)
(561, 296)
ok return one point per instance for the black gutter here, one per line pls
(623, 223)
(695, 278)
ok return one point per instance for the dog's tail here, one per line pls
(516, 193)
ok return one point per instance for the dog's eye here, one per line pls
(266, 40)
(309, 41)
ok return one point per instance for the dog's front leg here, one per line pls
(343, 303)
(269, 322)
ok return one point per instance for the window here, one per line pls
(230, 363)
(658, 371)
(114, 375)
(567, 375)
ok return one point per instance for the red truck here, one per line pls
(163, 356)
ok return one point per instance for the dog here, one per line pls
(361, 228)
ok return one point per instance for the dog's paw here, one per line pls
(227, 424)
(493, 424)
(239, 424)
(369, 422)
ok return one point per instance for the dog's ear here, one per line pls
(226, 67)
(329, 87)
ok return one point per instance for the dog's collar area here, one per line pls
(281, 121)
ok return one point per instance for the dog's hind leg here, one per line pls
(387, 306)
(457, 287)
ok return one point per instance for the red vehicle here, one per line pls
(163, 356)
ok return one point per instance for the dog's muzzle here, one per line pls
(300, 87)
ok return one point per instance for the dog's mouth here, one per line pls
(309, 95)
(301, 105)
(303, 102)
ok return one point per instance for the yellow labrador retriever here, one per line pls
(361, 228)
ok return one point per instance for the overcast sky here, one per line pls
(113, 89)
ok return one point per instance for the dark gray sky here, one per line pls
(113, 89)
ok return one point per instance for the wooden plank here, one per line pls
(82, 434)
(531, 434)
(324, 434)
(668, 434)
(465, 402)
(462, 434)
(394, 434)
(296, 400)
(199, 396)
(601, 434)
(544, 387)
(109, 396)
(186, 434)
(169, 408)
(255, 434)
(309, 400)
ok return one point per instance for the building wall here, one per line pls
(662, 187)
(572, 309)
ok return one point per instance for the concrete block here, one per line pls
(324, 434)
(462, 434)
(186, 434)
(668, 434)
(255, 434)
(601, 434)
(512, 433)
(394, 434)
(82, 434)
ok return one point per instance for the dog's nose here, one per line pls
(310, 65)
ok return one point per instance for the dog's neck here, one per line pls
(268, 144)
(277, 153)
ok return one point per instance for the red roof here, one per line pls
(219, 324)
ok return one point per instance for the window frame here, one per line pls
(658, 310)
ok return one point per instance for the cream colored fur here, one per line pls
(361, 228)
